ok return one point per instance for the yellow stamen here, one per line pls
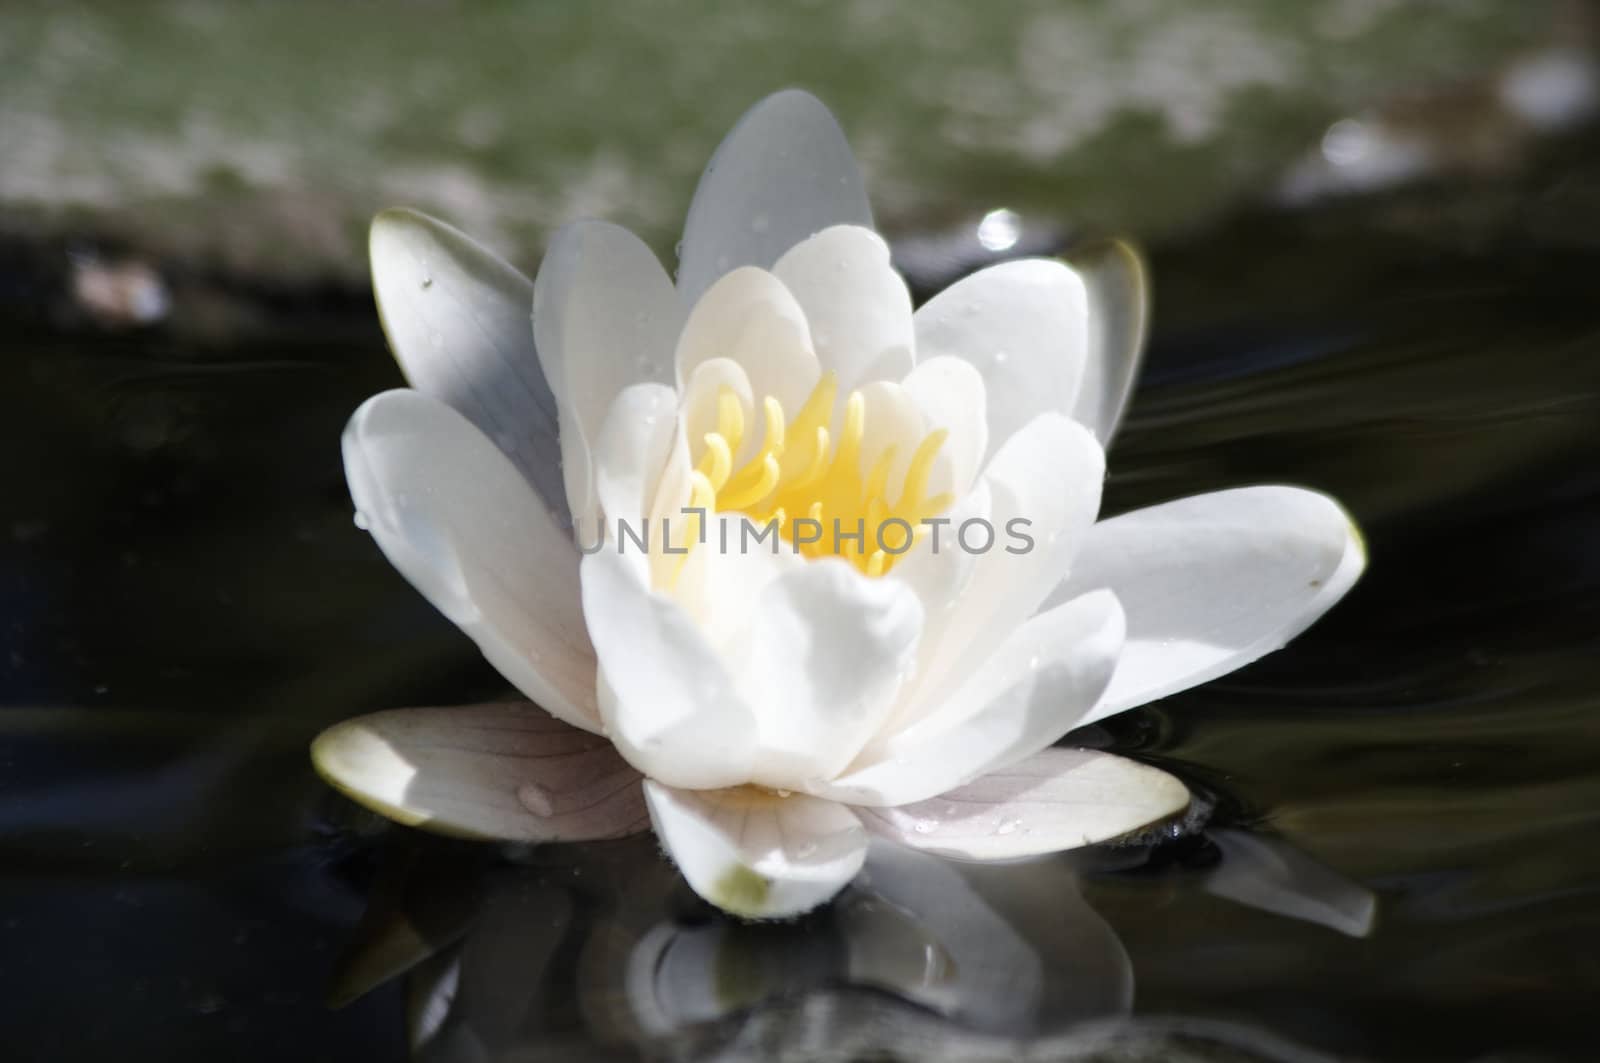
(735, 498)
(800, 468)
(717, 461)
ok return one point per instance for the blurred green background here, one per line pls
(260, 136)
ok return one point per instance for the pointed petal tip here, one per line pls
(754, 854)
(358, 763)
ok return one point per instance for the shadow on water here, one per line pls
(1396, 865)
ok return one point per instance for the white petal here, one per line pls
(820, 665)
(1044, 486)
(755, 853)
(452, 513)
(668, 703)
(699, 406)
(1029, 693)
(783, 173)
(892, 418)
(1024, 326)
(1212, 582)
(1056, 799)
(939, 572)
(1118, 288)
(456, 316)
(950, 394)
(1272, 875)
(857, 306)
(630, 455)
(723, 579)
(750, 317)
(506, 770)
(605, 315)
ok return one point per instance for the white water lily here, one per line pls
(767, 709)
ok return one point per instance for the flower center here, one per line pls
(810, 486)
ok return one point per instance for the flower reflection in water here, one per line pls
(581, 951)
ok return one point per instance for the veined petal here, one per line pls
(1117, 282)
(452, 513)
(1024, 326)
(630, 455)
(783, 173)
(506, 770)
(456, 316)
(605, 315)
(668, 702)
(1031, 691)
(823, 658)
(748, 316)
(1212, 582)
(950, 394)
(1056, 799)
(755, 853)
(1044, 487)
(858, 307)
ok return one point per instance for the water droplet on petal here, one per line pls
(427, 282)
(1007, 826)
(924, 826)
(536, 799)
(806, 850)
(784, 793)
(362, 522)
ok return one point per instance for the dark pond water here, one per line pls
(1401, 860)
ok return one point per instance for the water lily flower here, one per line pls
(579, 496)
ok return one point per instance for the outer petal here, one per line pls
(858, 307)
(1044, 483)
(456, 316)
(750, 317)
(1028, 694)
(823, 660)
(1056, 799)
(503, 770)
(452, 513)
(605, 315)
(950, 394)
(1118, 285)
(754, 853)
(1212, 582)
(668, 703)
(1024, 326)
(783, 173)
